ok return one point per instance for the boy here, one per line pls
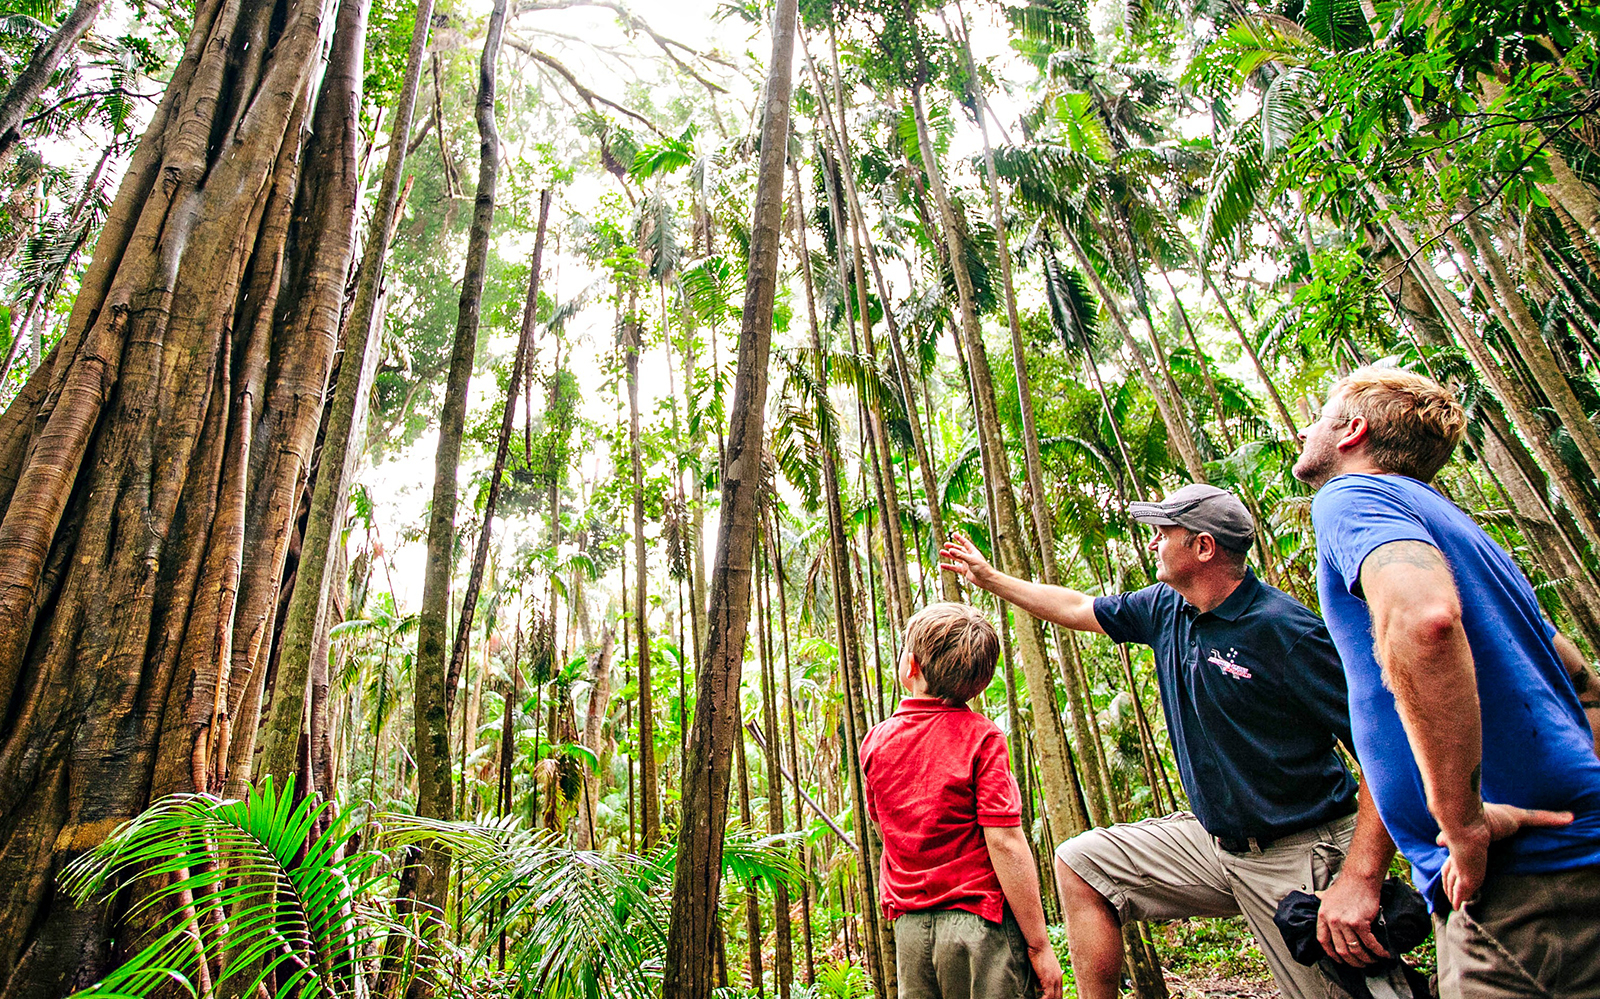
(958, 878)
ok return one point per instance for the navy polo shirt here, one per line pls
(1254, 696)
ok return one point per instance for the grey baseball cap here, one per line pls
(1199, 507)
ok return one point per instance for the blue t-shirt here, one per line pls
(1538, 751)
(1254, 698)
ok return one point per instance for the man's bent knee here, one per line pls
(1077, 894)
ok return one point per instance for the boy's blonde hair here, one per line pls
(956, 649)
(1413, 422)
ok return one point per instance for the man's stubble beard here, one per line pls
(1313, 468)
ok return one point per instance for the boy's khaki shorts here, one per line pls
(955, 954)
(1171, 868)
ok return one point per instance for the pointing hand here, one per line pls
(960, 556)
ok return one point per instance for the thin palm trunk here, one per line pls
(521, 365)
(840, 144)
(843, 600)
(752, 902)
(432, 712)
(1039, 513)
(1051, 736)
(783, 929)
(1171, 415)
(649, 807)
(794, 752)
(691, 934)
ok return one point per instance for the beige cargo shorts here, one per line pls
(1171, 868)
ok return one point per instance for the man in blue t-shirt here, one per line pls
(1254, 698)
(1465, 703)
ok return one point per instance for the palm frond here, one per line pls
(1239, 180)
(1287, 106)
(248, 886)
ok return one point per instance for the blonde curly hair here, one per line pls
(1413, 422)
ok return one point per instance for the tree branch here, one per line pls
(588, 95)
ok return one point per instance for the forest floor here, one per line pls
(1212, 958)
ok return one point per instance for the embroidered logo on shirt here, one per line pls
(1228, 666)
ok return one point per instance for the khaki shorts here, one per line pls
(1171, 868)
(1524, 935)
(955, 954)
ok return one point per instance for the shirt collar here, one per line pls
(912, 705)
(1240, 599)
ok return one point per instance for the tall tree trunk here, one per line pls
(1051, 737)
(1039, 513)
(841, 146)
(431, 744)
(521, 368)
(691, 943)
(783, 930)
(342, 438)
(843, 600)
(150, 467)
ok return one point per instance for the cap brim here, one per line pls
(1151, 513)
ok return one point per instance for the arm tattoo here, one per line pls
(1476, 779)
(1418, 554)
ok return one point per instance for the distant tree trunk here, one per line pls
(696, 887)
(794, 757)
(594, 718)
(783, 931)
(150, 467)
(752, 901)
(846, 615)
(341, 447)
(35, 76)
(432, 714)
(649, 803)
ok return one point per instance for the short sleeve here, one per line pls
(999, 798)
(1354, 516)
(1319, 683)
(1128, 617)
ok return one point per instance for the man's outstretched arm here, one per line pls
(1057, 604)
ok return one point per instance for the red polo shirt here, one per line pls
(936, 774)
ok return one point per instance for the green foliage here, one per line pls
(257, 887)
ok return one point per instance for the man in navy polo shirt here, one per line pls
(1254, 698)
(1468, 708)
